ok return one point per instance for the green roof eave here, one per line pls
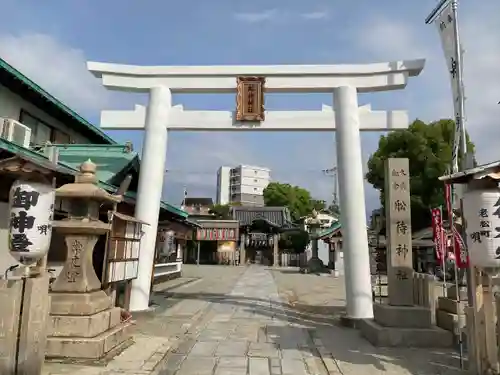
(61, 167)
(131, 195)
(329, 231)
(173, 209)
(113, 161)
(35, 157)
(54, 101)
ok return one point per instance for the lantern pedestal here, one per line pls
(83, 322)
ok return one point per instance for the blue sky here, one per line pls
(51, 41)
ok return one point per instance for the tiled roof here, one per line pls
(17, 82)
(278, 216)
(109, 159)
(198, 201)
(71, 168)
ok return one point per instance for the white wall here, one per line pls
(249, 180)
(223, 195)
(251, 171)
(12, 104)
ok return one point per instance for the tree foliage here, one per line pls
(222, 211)
(295, 242)
(429, 149)
(297, 199)
(318, 205)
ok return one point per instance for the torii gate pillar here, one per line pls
(154, 154)
(352, 209)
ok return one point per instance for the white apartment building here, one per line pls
(244, 184)
(223, 188)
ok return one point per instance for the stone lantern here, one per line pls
(315, 264)
(83, 321)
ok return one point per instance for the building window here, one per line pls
(255, 180)
(254, 189)
(41, 132)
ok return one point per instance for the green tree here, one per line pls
(222, 211)
(428, 148)
(295, 242)
(318, 205)
(297, 199)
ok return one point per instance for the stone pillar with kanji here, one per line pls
(398, 227)
(408, 317)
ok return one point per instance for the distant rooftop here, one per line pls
(198, 202)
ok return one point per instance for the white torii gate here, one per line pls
(346, 118)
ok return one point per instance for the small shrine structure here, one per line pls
(260, 229)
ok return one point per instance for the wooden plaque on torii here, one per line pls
(250, 98)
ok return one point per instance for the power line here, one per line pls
(205, 172)
(332, 172)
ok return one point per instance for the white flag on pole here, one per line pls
(445, 24)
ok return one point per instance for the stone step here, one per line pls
(88, 348)
(451, 305)
(450, 322)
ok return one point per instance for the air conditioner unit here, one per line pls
(15, 132)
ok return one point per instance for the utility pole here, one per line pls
(332, 172)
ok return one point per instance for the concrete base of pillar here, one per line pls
(403, 316)
(404, 326)
(379, 335)
(89, 329)
(348, 322)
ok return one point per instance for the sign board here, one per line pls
(482, 215)
(217, 234)
(399, 246)
(124, 244)
(250, 99)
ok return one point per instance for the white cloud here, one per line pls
(480, 33)
(320, 15)
(272, 15)
(58, 68)
(256, 17)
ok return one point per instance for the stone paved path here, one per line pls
(219, 320)
(253, 331)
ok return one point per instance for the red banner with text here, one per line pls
(438, 233)
(461, 256)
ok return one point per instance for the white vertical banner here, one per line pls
(445, 24)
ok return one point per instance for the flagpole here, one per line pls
(460, 130)
(460, 89)
(463, 139)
